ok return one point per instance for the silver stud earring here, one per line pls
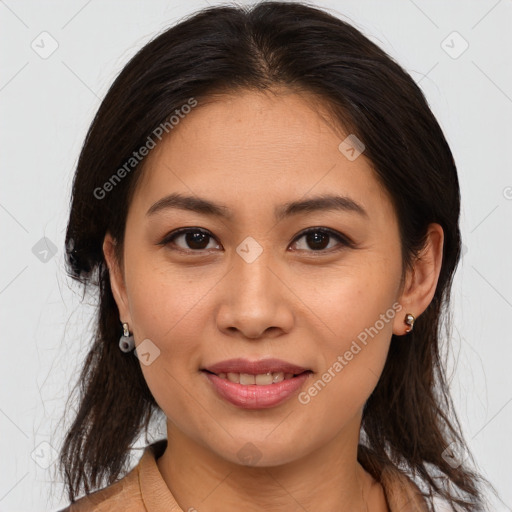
(409, 320)
(126, 341)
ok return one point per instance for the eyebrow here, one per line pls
(203, 206)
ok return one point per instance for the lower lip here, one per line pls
(252, 396)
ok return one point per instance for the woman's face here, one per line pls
(247, 283)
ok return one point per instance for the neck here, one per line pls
(329, 478)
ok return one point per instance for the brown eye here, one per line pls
(319, 239)
(190, 239)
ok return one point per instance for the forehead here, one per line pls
(253, 146)
(271, 123)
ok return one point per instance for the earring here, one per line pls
(409, 320)
(126, 342)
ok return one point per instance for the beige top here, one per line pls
(144, 490)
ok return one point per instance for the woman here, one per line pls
(270, 212)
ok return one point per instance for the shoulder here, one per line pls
(141, 488)
(123, 495)
(401, 492)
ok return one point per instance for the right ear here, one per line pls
(117, 283)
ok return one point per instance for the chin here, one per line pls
(258, 452)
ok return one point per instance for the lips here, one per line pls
(255, 367)
(256, 384)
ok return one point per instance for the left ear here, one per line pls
(420, 284)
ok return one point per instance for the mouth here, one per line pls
(256, 384)
(260, 379)
(260, 368)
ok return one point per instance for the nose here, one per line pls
(255, 302)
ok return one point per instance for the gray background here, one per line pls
(46, 106)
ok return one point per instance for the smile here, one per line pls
(261, 379)
(260, 391)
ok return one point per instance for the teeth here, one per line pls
(277, 377)
(245, 378)
(263, 379)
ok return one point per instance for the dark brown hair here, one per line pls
(409, 419)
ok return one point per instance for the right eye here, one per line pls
(189, 240)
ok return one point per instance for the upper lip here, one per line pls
(255, 367)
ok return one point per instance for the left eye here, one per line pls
(317, 239)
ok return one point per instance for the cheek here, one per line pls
(357, 307)
(352, 363)
(351, 299)
(163, 298)
(166, 309)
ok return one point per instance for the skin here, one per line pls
(253, 151)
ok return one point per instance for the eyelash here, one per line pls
(342, 239)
